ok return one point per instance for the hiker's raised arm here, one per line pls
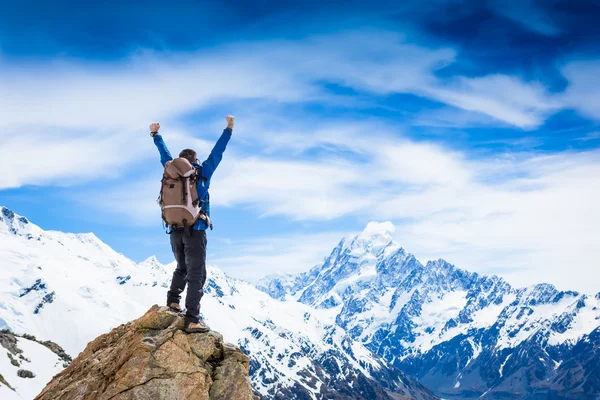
(160, 143)
(216, 155)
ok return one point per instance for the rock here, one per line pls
(227, 383)
(13, 360)
(59, 351)
(3, 382)
(9, 342)
(153, 358)
(23, 373)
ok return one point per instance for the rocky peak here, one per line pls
(15, 224)
(153, 358)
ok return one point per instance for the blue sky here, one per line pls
(474, 126)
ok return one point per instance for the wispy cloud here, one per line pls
(504, 98)
(589, 136)
(73, 103)
(89, 121)
(583, 92)
(528, 14)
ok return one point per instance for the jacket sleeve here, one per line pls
(162, 149)
(216, 155)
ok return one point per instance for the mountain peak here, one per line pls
(378, 228)
(9, 217)
(151, 262)
(375, 237)
(153, 358)
(16, 224)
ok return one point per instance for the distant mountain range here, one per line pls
(461, 334)
(344, 330)
(70, 288)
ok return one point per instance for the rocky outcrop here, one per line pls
(8, 340)
(153, 358)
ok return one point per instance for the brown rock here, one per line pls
(152, 358)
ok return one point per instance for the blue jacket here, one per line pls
(207, 169)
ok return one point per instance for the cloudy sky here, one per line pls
(474, 126)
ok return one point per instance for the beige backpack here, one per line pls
(178, 194)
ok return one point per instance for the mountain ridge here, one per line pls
(410, 313)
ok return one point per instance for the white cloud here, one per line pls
(542, 224)
(48, 158)
(505, 98)
(583, 91)
(131, 93)
(76, 105)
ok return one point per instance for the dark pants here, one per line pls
(189, 249)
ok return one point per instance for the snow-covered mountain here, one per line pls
(69, 288)
(462, 334)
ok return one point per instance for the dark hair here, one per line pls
(188, 154)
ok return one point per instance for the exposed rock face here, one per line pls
(153, 358)
(23, 373)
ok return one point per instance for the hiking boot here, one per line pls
(175, 307)
(199, 327)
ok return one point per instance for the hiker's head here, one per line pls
(189, 155)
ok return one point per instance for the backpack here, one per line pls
(178, 198)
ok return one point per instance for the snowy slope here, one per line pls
(460, 333)
(25, 355)
(55, 276)
(76, 280)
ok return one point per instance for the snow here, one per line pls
(488, 316)
(476, 349)
(501, 370)
(434, 316)
(367, 273)
(586, 320)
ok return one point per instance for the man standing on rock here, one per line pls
(185, 208)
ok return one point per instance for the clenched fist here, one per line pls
(154, 127)
(230, 121)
